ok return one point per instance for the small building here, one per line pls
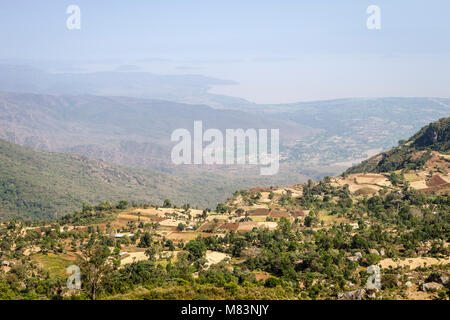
(5, 263)
(121, 235)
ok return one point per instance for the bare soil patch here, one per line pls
(259, 212)
(214, 257)
(413, 263)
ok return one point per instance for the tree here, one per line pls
(310, 220)
(239, 212)
(196, 249)
(6, 293)
(169, 243)
(167, 204)
(122, 205)
(271, 282)
(95, 262)
(285, 227)
(146, 241)
(151, 252)
(222, 208)
(371, 259)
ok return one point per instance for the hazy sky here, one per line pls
(277, 50)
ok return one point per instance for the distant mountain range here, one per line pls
(123, 130)
(189, 88)
(136, 132)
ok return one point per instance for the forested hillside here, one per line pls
(413, 153)
(42, 185)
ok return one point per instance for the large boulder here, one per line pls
(431, 286)
(356, 257)
(352, 295)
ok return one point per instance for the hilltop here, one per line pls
(431, 142)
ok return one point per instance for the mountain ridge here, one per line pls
(432, 137)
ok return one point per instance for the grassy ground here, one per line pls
(206, 292)
(330, 219)
(56, 265)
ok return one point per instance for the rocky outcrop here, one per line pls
(352, 295)
(431, 286)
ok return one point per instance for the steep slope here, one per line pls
(38, 185)
(411, 154)
(435, 136)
